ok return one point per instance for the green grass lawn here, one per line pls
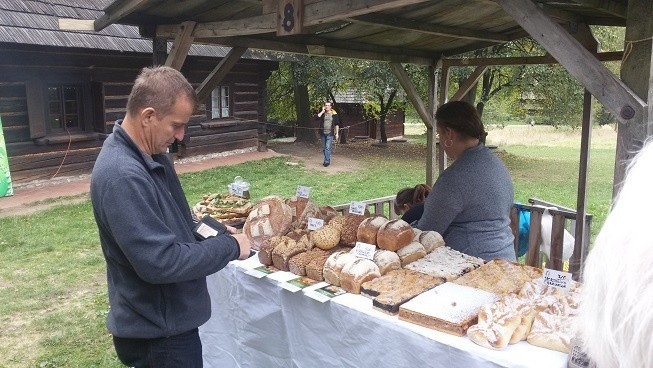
(53, 299)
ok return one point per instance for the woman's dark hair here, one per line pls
(461, 117)
(411, 196)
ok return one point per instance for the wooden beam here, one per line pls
(117, 11)
(469, 83)
(428, 28)
(525, 60)
(317, 50)
(412, 94)
(636, 72)
(181, 45)
(159, 50)
(578, 61)
(316, 13)
(431, 143)
(607, 6)
(219, 72)
(443, 98)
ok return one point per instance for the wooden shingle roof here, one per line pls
(36, 22)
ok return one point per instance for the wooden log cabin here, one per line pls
(349, 106)
(61, 91)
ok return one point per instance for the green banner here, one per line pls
(5, 178)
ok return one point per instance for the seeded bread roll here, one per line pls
(410, 253)
(386, 261)
(394, 235)
(297, 263)
(350, 229)
(356, 273)
(326, 237)
(315, 268)
(368, 229)
(284, 251)
(337, 221)
(334, 265)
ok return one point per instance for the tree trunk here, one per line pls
(305, 120)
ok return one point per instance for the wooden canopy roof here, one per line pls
(407, 31)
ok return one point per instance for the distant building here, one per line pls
(61, 91)
(349, 105)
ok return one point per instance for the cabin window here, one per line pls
(220, 106)
(64, 107)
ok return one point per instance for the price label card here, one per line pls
(323, 292)
(364, 250)
(260, 272)
(236, 189)
(303, 192)
(315, 223)
(559, 279)
(357, 208)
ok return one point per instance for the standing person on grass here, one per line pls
(156, 268)
(471, 200)
(329, 128)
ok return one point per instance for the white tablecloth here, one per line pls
(256, 323)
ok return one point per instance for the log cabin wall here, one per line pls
(360, 125)
(39, 149)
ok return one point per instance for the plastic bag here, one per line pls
(545, 236)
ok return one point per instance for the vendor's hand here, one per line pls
(244, 244)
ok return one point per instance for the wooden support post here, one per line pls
(579, 62)
(557, 240)
(469, 83)
(219, 72)
(411, 92)
(181, 45)
(533, 255)
(444, 88)
(431, 144)
(636, 72)
(159, 50)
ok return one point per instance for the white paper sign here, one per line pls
(357, 208)
(315, 223)
(303, 192)
(559, 279)
(364, 250)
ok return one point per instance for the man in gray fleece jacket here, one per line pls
(156, 268)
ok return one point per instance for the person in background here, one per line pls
(328, 129)
(156, 268)
(409, 202)
(471, 200)
(616, 313)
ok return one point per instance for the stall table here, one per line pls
(257, 323)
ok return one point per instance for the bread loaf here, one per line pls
(298, 262)
(356, 273)
(326, 237)
(334, 265)
(394, 235)
(269, 217)
(297, 206)
(368, 228)
(350, 229)
(315, 268)
(282, 253)
(337, 221)
(410, 253)
(327, 213)
(417, 233)
(386, 261)
(430, 240)
(265, 253)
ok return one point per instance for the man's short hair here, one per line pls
(159, 87)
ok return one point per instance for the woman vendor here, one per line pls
(470, 201)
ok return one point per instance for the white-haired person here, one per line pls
(616, 317)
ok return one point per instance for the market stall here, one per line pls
(257, 323)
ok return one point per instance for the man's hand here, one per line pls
(244, 244)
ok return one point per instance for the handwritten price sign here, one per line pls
(303, 192)
(559, 279)
(236, 189)
(314, 223)
(357, 208)
(364, 250)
